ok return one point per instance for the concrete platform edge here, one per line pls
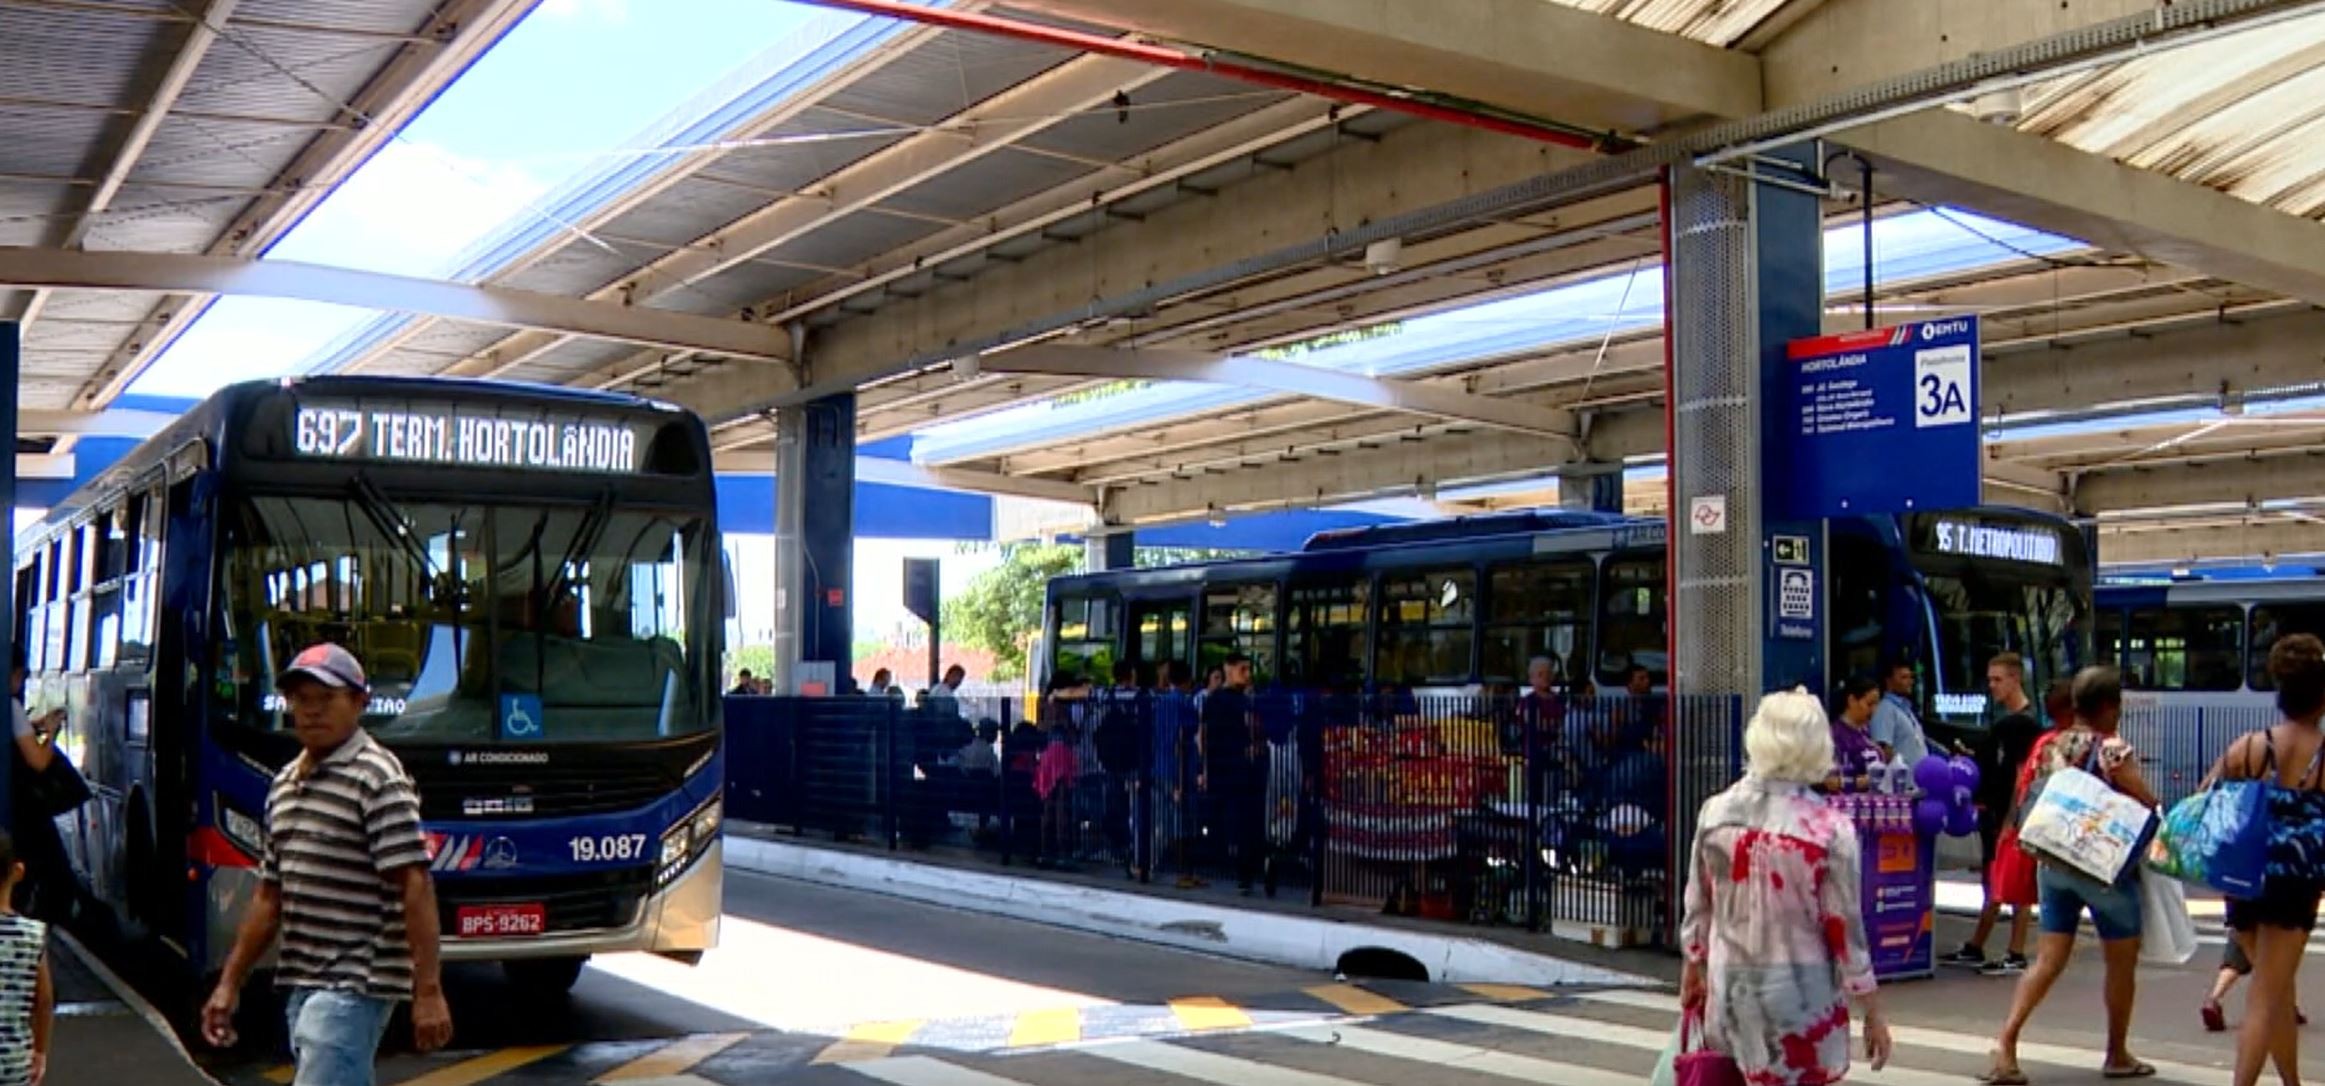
(1273, 938)
(146, 1012)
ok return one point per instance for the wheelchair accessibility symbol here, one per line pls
(520, 716)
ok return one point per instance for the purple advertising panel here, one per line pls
(1899, 903)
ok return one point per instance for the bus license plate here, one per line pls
(500, 921)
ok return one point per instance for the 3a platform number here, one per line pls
(1941, 387)
(608, 849)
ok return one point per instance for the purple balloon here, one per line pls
(1961, 820)
(1965, 772)
(1935, 775)
(1929, 815)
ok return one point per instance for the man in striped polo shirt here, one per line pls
(345, 883)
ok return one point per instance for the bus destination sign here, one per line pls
(2011, 544)
(444, 436)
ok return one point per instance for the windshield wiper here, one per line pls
(585, 539)
(389, 518)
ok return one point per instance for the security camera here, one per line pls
(1381, 256)
(2003, 106)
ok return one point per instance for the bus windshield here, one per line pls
(1979, 614)
(476, 622)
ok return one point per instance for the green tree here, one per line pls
(759, 660)
(1000, 610)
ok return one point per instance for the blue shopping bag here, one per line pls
(2217, 838)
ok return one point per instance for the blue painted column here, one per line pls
(1788, 274)
(1110, 550)
(815, 484)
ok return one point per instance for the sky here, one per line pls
(576, 79)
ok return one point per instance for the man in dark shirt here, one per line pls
(2006, 748)
(1233, 779)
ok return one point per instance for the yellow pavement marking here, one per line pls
(283, 1074)
(1504, 993)
(1209, 1012)
(870, 1041)
(1052, 1027)
(672, 1058)
(469, 1072)
(1354, 1000)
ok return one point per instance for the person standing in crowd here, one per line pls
(1120, 740)
(28, 995)
(1773, 933)
(51, 888)
(883, 684)
(2092, 745)
(745, 683)
(344, 881)
(2273, 929)
(1232, 779)
(1896, 724)
(1053, 780)
(945, 697)
(2234, 966)
(1172, 781)
(1854, 750)
(2007, 745)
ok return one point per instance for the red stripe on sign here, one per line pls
(1820, 346)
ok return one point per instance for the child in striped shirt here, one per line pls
(27, 993)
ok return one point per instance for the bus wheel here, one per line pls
(544, 976)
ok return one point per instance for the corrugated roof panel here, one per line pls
(456, 338)
(854, 239)
(385, 16)
(401, 363)
(731, 291)
(572, 359)
(1171, 109)
(952, 72)
(796, 155)
(105, 305)
(578, 268)
(79, 55)
(46, 143)
(685, 211)
(245, 73)
(194, 152)
(990, 183)
(1720, 22)
(164, 227)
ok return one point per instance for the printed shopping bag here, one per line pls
(2167, 936)
(2080, 823)
(2217, 838)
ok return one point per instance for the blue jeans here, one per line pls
(2066, 895)
(335, 1035)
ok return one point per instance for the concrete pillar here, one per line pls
(1591, 488)
(1109, 549)
(815, 482)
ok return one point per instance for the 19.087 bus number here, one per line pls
(612, 848)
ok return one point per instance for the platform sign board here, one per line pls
(1883, 421)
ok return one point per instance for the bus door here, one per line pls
(1162, 631)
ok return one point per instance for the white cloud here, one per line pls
(614, 12)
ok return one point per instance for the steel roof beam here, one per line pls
(1033, 106)
(873, 469)
(117, 422)
(456, 35)
(2247, 481)
(2176, 544)
(674, 171)
(1410, 168)
(200, 36)
(1407, 396)
(183, 273)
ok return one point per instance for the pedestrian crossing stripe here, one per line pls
(870, 1040)
(1459, 1057)
(1940, 1040)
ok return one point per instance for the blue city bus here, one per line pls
(531, 576)
(2194, 653)
(1453, 606)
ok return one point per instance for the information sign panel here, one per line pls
(1884, 421)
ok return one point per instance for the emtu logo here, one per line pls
(1937, 329)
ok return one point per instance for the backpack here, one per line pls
(1117, 736)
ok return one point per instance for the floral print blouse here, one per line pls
(1772, 914)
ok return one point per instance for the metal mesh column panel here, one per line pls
(790, 545)
(1714, 605)
(1715, 599)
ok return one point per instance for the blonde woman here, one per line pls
(1774, 939)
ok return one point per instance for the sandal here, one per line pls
(2138, 1069)
(2215, 1021)
(2001, 1077)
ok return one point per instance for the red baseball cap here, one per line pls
(325, 663)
